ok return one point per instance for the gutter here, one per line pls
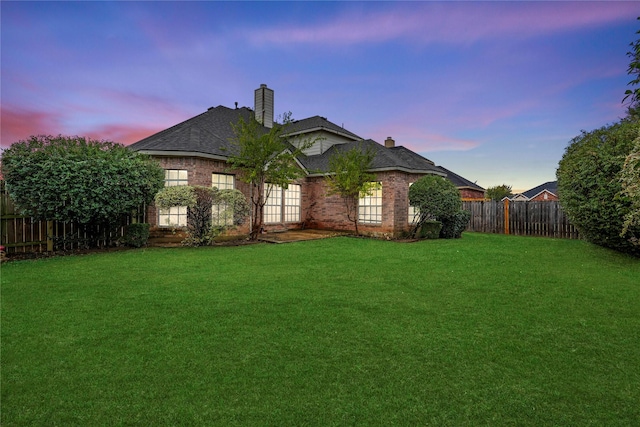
(161, 153)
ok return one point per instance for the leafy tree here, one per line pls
(199, 201)
(498, 192)
(633, 95)
(590, 187)
(264, 156)
(75, 179)
(630, 180)
(349, 178)
(436, 198)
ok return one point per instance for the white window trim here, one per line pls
(370, 207)
(412, 211)
(292, 211)
(219, 216)
(174, 177)
(282, 206)
(272, 212)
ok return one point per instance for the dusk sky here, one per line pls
(493, 91)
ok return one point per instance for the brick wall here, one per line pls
(468, 193)
(318, 210)
(540, 197)
(329, 212)
(199, 172)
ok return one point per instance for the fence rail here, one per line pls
(23, 234)
(546, 219)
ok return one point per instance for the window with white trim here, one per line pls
(220, 213)
(282, 205)
(273, 204)
(222, 181)
(414, 212)
(177, 215)
(292, 196)
(370, 206)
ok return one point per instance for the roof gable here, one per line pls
(318, 123)
(550, 186)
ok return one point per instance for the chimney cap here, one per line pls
(263, 85)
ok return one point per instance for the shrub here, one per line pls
(180, 195)
(454, 225)
(430, 230)
(436, 198)
(199, 201)
(237, 208)
(76, 179)
(136, 235)
(630, 180)
(589, 184)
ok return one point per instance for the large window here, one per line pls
(273, 205)
(177, 215)
(279, 198)
(221, 215)
(370, 206)
(413, 211)
(292, 203)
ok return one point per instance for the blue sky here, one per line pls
(493, 91)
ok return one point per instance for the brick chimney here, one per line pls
(263, 105)
(389, 142)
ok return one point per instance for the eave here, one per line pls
(320, 129)
(390, 169)
(166, 153)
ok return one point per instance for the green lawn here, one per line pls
(484, 330)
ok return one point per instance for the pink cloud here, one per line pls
(19, 124)
(452, 22)
(123, 134)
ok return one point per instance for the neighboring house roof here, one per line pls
(518, 197)
(461, 182)
(206, 135)
(396, 158)
(317, 123)
(551, 187)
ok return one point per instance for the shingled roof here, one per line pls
(206, 134)
(459, 181)
(551, 187)
(396, 158)
(318, 123)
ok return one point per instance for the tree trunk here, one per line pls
(351, 205)
(257, 198)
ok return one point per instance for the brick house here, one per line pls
(195, 152)
(547, 192)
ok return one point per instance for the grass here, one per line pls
(485, 330)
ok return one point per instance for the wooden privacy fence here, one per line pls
(23, 234)
(545, 219)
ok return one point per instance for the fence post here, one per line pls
(49, 236)
(506, 216)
